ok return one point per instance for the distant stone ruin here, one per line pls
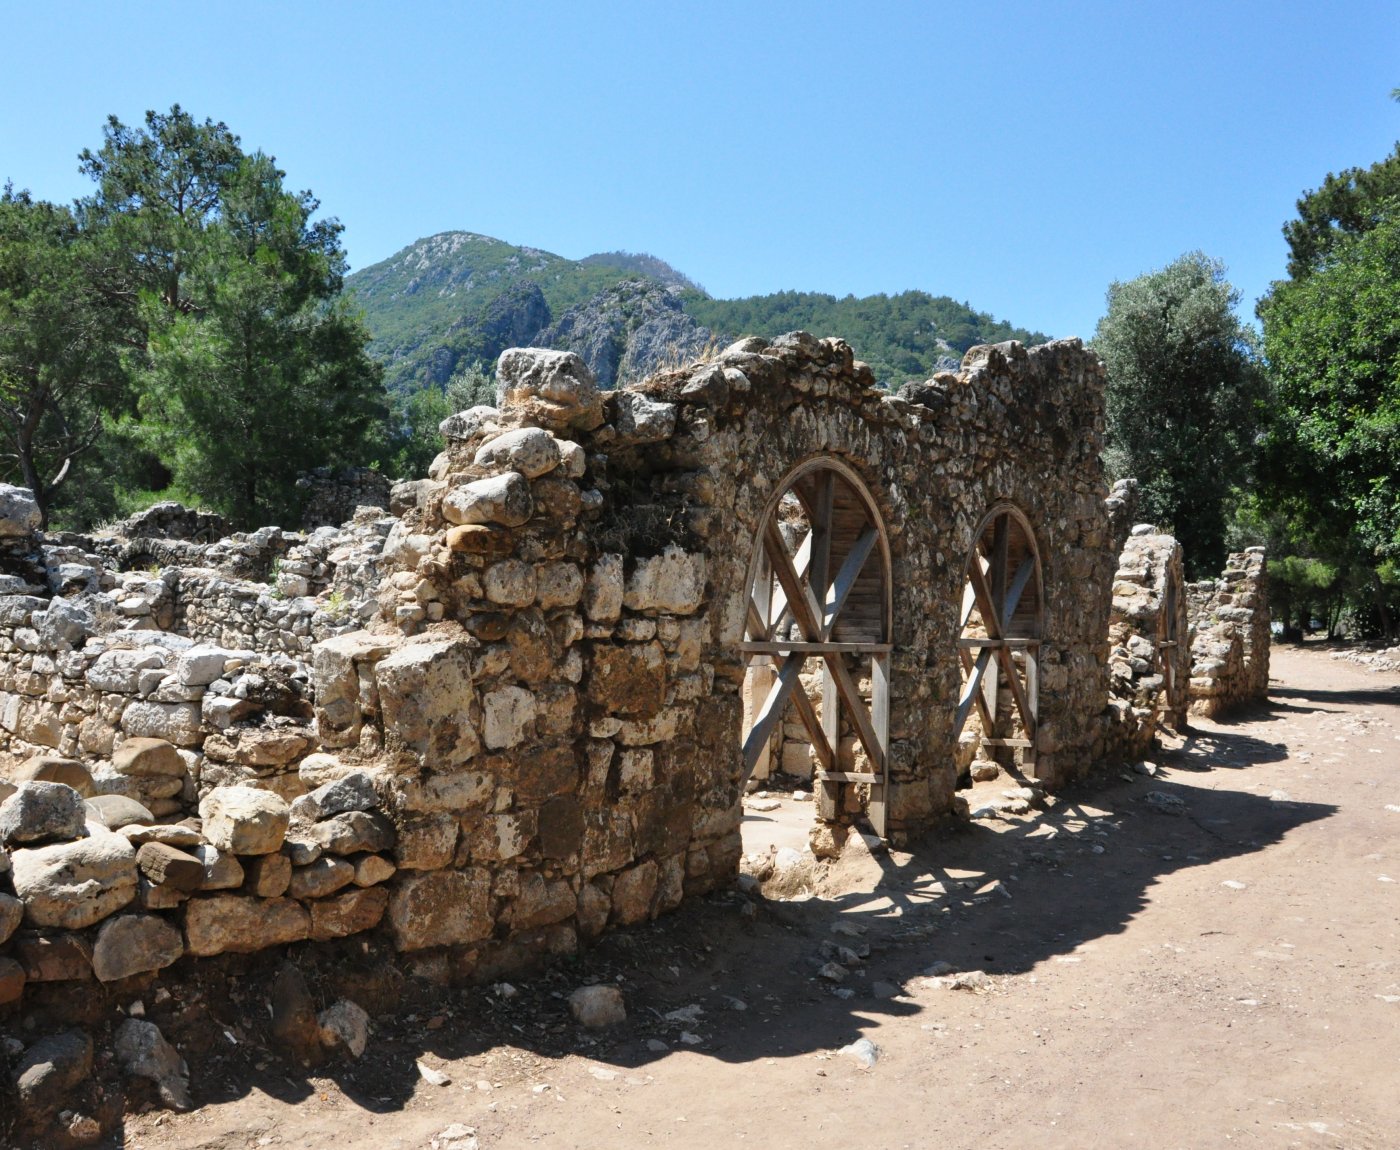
(521, 706)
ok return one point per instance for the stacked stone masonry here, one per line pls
(1230, 627)
(507, 715)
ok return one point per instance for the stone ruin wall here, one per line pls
(507, 716)
(1231, 631)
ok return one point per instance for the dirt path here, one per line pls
(1219, 967)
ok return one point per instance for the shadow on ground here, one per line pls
(998, 896)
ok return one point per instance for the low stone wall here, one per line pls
(331, 496)
(1230, 625)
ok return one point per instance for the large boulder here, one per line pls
(42, 812)
(550, 389)
(241, 924)
(73, 885)
(44, 768)
(144, 1053)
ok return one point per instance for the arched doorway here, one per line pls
(819, 607)
(1003, 615)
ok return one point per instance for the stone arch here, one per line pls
(819, 595)
(1001, 628)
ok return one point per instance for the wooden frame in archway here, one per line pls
(1002, 624)
(1173, 648)
(826, 598)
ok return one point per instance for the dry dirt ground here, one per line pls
(1219, 971)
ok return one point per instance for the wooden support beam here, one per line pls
(779, 647)
(771, 712)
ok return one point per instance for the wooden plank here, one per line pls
(825, 754)
(851, 699)
(977, 580)
(1013, 593)
(779, 647)
(821, 531)
(1017, 644)
(778, 611)
(771, 712)
(828, 795)
(846, 577)
(1018, 693)
(799, 596)
(970, 691)
(1006, 742)
(880, 720)
(847, 777)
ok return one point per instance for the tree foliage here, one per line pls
(1184, 399)
(60, 344)
(251, 369)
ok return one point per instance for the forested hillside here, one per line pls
(452, 300)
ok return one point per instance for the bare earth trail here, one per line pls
(1219, 971)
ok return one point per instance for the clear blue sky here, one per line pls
(1020, 156)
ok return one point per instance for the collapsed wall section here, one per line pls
(1231, 634)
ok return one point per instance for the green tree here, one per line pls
(1332, 341)
(60, 369)
(1184, 399)
(252, 369)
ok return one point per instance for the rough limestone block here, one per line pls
(509, 716)
(148, 758)
(532, 451)
(639, 419)
(245, 820)
(239, 924)
(511, 583)
(133, 944)
(336, 666)
(12, 981)
(370, 870)
(54, 769)
(178, 723)
(143, 1052)
(602, 596)
(73, 885)
(501, 499)
(673, 581)
(323, 877)
(353, 832)
(268, 876)
(42, 812)
(441, 908)
(629, 679)
(348, 913)
(119, 671)
(201, 665)
(425, 698)
(19, 512)
(118, 811)
(169, 866)
(558, 585)
(550, 389)
(11, 912)
(222, 870)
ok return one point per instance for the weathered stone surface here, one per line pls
(425, 693)
(323, 877)
(501, 499)
(353, 792)
(550, 389)
(49, 1073)
(344, 1026)
(354, 832)
(426, 842)
(256, 746)
(542, 901)
(440, 908)
(295, 1031)
(134, 943)
(75, 884)
(54, 769)
(373, 869)
(201, 665)
(178, 723)
(11, 912)
(19, 512)
(169, 866)
(480, 539)
(347, 913)
(643, 420)
(336, 675)
(531, 451)
(508, 717)
(172, 834)
(511, 583)
(598, 1007)
(144, 1053)
(268, 876)
(241, 924)
(42, 812)
(673, 581)
(148, 758)
(11, 981)
(222, 870)
(118, 811)
(54, 957)
(633, 891)
(628, 679)
(244, 820)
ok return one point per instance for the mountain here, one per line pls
(454, 299)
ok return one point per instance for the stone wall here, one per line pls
(508, 716)
(1231, 635)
